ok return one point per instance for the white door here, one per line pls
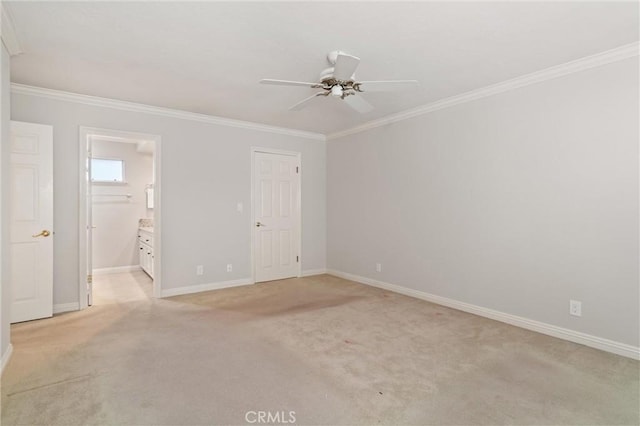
(277, 216)
(31, 221)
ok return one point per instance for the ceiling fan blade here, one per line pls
(345, 66)
(303, 103)
(386, 86)
(358, 103)
(287, 83)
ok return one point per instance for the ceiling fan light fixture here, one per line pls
(336, 91)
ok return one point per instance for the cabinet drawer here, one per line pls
(145, 238)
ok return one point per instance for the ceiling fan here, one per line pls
(339, 82)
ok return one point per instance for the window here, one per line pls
(104, 170)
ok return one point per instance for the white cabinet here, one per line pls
(145, 249)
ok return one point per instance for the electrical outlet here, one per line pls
(229, 267)
(200, 270)
(378, 267)
(575, 308)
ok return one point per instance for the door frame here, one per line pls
(85, 135)
(298, 211)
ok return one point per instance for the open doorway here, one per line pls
(119, 216)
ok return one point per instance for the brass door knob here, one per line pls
(258, 224)
(43, 233)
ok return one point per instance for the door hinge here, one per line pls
(89, 279)
(297, 169)
(297, 259)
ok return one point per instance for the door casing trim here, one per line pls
(84, 134)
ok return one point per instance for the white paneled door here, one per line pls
(276, 216)
(31, 221)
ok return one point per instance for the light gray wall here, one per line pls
(5, 288)
(206, 171)
(116, 218)
(517, 202)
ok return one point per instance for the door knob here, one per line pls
(258, 224)
(43, 233)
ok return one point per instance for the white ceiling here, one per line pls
(208, 57)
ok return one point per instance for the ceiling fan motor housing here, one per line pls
(326, 74)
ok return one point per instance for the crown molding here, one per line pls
(620, 53)
(603, 58)
(9, 37)
(60, 95)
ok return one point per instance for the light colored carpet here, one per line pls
(332, 351)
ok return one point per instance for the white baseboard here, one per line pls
(618, 348)
(66, 307)
(205, 287)
(310, 272)
(117, 270)
(5, 357)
